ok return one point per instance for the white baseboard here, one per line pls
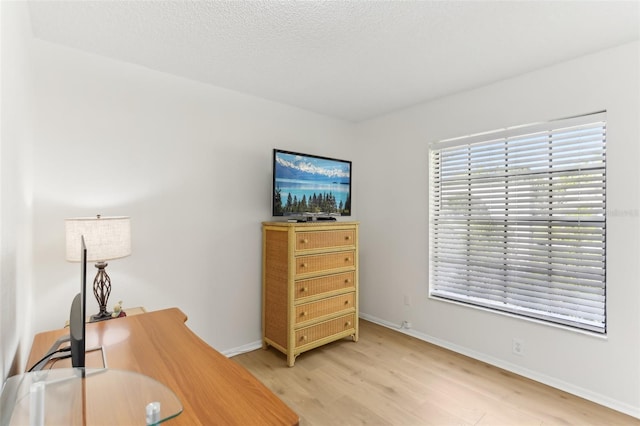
(242, 349)
(533, 375)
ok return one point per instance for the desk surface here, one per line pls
(212, 388)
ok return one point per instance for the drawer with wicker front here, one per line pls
(325, 239)
(319, 331)
(326, 284)
(324, 262)
(324, 307)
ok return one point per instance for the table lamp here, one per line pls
(107, 238)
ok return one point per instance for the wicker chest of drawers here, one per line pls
(309, 285)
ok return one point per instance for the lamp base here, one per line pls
(101, 290)
(100, 316)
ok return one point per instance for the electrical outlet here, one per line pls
(518, 347)
(407, 300)
(406, 324)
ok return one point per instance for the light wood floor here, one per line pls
(389, 378)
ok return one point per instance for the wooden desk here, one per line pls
(212, 388)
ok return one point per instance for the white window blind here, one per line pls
(518, 221)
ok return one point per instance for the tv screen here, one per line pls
(310, 184)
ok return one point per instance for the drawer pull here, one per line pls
(303, 338)
(303, 265)
(347, 324)
(348, 237)
(304, 241)
(304, 289)
(347, 281)
(347, 259)
(346, 302)
(304, 314)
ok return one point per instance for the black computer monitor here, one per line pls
(78, 314)
(77, 326)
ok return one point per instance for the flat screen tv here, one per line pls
(310, 184)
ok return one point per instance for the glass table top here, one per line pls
(86, 397)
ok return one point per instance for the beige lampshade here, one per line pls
(106, 237)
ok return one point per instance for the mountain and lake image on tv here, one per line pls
(304, 183)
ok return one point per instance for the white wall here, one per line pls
(393, 210)
(191, 165)
(15, 187)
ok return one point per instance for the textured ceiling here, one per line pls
(347, 59)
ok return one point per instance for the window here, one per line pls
(518, 221)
